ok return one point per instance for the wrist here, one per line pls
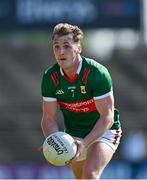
(85, 143)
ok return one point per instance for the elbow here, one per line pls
(43, 123)
(110, 120)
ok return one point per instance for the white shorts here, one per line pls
(110, 137)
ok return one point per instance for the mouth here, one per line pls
(62, 59)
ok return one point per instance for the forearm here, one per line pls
(102, 125)
(48, 126)
(105, 107)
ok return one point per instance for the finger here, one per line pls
(76, 156)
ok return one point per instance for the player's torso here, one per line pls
(74, 96)
(75, 99)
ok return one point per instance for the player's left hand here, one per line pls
(80, 147)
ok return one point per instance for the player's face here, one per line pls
(66, 51)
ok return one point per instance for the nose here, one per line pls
(62, 51)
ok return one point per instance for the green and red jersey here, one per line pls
(76, 97)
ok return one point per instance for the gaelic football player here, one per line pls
(82, 88)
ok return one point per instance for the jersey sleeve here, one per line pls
(102, 84)
(47, 88)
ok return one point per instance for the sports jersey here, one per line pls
(76, 97)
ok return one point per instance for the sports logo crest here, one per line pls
(83, 89)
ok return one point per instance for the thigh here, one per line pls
(98, 156)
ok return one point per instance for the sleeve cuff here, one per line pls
(103, 96)
(49, 99)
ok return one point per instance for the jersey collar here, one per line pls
(76, 75)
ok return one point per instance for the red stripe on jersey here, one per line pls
(54, 77)
(71, 80)
(85, 75)
(79, 107)
(116, 137)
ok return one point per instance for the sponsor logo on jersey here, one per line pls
(59, 91)
(82, 106)
(83, 89)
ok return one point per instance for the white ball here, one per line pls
(59, 148)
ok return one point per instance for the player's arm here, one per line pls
(49, 122)
(105, 107)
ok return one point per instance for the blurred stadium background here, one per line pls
(115, 35)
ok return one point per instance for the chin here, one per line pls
(66, 66)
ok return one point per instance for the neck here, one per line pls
(71, 72)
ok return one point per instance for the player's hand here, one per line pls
(80, 147)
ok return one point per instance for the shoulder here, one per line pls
(94, 66)
(99, 79)
(51, 75)
(52, 69)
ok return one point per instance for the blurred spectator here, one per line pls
(135, 146)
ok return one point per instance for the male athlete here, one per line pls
(83, 90)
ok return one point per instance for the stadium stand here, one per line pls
(21, 69)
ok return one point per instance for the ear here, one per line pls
(79, 50)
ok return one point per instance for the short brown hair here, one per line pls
(62, 29)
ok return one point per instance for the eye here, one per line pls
(56, 47)
(66, 46)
